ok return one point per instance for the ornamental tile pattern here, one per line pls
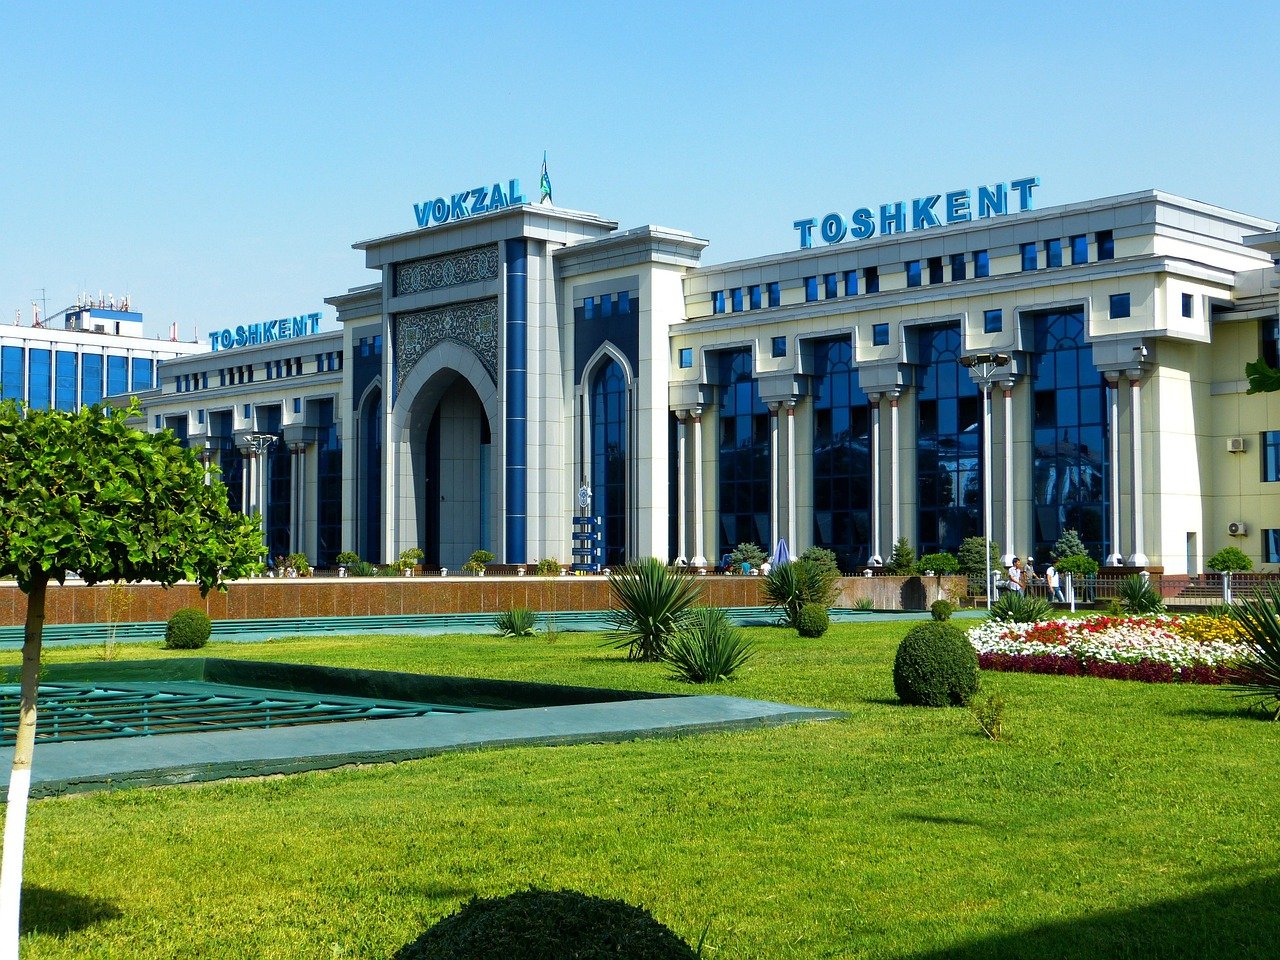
(432, 273)
(474, 325)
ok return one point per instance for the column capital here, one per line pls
(774, 406)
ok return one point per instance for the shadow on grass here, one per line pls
(942, 821)
(1229, 923)
(57, 912)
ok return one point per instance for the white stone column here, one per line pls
(697, 560)
(791, 475)
(1009, 534)
(1116, 557)
(895, 488)
(876, 557)
(246, 482)
(682, 501)
(1138, 558)
(775, 485)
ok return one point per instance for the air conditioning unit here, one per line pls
(1237, 528)
(1235, 444)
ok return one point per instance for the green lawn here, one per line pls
(1117, 820)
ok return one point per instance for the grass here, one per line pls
(1114, 820)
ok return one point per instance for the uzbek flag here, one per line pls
(545, 182)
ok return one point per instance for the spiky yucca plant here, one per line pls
(1259, 677)
(516, 622)
(1018, 607)
(650, 603)
(708, 649)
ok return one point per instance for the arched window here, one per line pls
(370, 486)
(841, 455)
(609, 458)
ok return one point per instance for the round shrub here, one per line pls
(537, 924)
(936, 666)
(813, 620)
(942, 609)
(188, 629)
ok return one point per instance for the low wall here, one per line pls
(386, 596)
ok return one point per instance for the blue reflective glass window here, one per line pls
(606, 305)
(117, 375)
(64, 394)
(141, 373)
(12, 375)
(1029, 260)
(1271, 546)
(810, 289)
(935, 270)
(992, 321)
(871, 279)
(851, 283)
(775, 294)
(1269, 334)
(624, 303)
(880, 334)
(744, 487)
(1053, 253)
(913, 272)
(981, 264)
(1271, 456)
(200, 416)
(1188, 305)
(589, 307)
(40, 373)
(297, 404)
(1106, 244)
(754, 296)
(158, 421)
(248, 411)
(222, 377)
(841, 456)
(686, 358)
(1119, 306)
(717, 302)
(735, 297)
(830, 282)
(91, 379)
(1080, 249)
(957, 266)
(779, 345)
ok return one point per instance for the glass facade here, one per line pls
(912, 268)
(117, 375)
(841, 455)
(12, 372)
(1053, 253)
(229, 459)
(278, 464)
(948, 444)
(143, 373)
(1271, 456)
(64, 387)
(40, 377)
(1069, 457)
(328, 450)
(744, 456)
(609, 459)
(370, 526)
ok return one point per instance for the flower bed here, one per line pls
(1152, 649)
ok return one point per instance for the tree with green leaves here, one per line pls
(902, 562)
(86, 494)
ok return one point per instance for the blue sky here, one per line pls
(218, 163)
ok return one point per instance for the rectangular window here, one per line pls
(624, 303)
(880, 334)
(40, 375)
(775, 294)
(957, 266)
(1271, 546)
(65, 376)
(157, 421)
(981, 264)
(117, 375)
(1106, 245)
(1053, 253)
(754, 296)
(90, 379)
(935, 269)
(177, 384)
(142, 372)
(735, 297)
(992, 321)
(913, 272)
(829, 283)
(199, 416)
(1188, 305)
(297, 404)
(1080, 249)
(779, 346)
(606, 306)
(248, 412)
(11, 372)
(1119, 306)
(686, 358)
(1029, 261)
(1271, 456)
(717, 303)
(1270, 330)
(871, 279)
(851, 283)
(810, 289)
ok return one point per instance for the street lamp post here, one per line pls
(986, 365)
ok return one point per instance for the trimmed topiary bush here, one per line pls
(942, 564)
(935, 666)
(813, 620)
(942, 610)
(188, 629)
(543, 924)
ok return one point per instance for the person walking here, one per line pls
(1054, 582)
(1016, 576)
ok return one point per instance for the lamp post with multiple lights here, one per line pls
(986, 366)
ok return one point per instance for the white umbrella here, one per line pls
(781, 554)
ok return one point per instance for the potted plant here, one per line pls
(476, 562)
(347, 558)
(408, 560)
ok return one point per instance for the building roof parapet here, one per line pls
(646, 244)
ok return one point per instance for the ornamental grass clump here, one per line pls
(935, 666)
(1137, 595)
(543, 924)
(1257, 676)
(650, 604)
(1014, 606)
(516, 622)
(188, 629)
(790, 586)
(708, 648)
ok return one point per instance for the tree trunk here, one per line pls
(15, 815)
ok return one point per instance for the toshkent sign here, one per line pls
(286, 328)
(935, 210)
(468, 203)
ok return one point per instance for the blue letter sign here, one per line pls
(468, 203)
